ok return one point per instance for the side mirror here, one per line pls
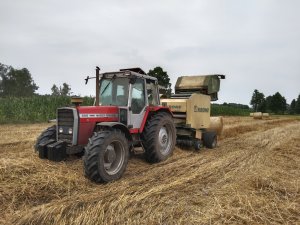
(87, 79)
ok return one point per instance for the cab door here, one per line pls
(138, 103)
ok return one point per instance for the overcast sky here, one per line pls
(255, 43)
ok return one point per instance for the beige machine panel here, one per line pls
(176, 105)
(191, 82)
(196, 110)
(204, 84)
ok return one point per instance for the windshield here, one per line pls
(114, 91)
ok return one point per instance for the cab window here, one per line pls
(152, 93)
(138, 96)
(114, 91)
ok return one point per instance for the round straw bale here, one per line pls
(251, 114)
(266, 115)
(216, 124)
(257, 115)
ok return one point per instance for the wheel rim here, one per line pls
(165, 139)
(114, 157)
(197, 145)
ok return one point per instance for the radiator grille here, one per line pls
(65, 121)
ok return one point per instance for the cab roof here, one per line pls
(130, 73)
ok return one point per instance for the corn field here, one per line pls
(223, 110)
(43, 108)
(34, 109)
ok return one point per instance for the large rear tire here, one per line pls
(46, 135)
(106, 156)
(159, 137)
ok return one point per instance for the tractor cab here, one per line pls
(130, 91)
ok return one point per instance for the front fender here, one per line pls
(116, 125)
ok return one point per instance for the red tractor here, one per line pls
(126, 114)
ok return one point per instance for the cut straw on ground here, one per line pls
(252, 177)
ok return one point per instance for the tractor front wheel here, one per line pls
(159, 137)
(46, 135)
(106, 156)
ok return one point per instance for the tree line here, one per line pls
(16, 82)
(19, 82)
(274, 103)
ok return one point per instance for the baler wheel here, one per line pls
(159, 137)
(197, 145)
(210, 139)
(49, 133)
(106, 156)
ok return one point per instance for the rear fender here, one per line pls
(151, 110)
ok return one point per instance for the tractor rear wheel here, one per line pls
(106, 156)
(159, 137)
(46, 135)
(210, 139)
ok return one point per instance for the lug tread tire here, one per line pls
(49, 133)
(150, 137)
(95, 148)
(209, 138)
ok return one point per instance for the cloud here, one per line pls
(255, 43)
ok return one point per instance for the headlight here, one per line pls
(60, 130)
(70, 131)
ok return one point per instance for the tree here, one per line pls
(257, 100)
(268, 103)
(3, 73)
(55, 90)
(297, 106)
(162, 77)
(65, 90)
(16, 82)
(277, 103)
(293, 107)
(4, 69)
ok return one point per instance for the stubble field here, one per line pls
(252, 177)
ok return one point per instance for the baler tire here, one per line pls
(210, 139)
(159, 137)
(102, 149)
(49, 133)
(197, 145)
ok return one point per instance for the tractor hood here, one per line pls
(98, 113)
